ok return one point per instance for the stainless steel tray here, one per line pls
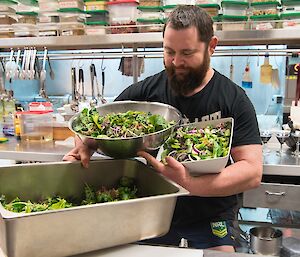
(84, 228)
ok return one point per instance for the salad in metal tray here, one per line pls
(189, 143)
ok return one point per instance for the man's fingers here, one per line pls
(173, 163)
(157, 165)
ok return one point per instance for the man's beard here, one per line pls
(186, 83)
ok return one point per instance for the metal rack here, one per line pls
(109, 41)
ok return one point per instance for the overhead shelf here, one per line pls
(229, 38)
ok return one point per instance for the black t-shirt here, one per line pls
(220, 98)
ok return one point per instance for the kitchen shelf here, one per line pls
(226, 38)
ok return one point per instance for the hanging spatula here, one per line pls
(266, 71)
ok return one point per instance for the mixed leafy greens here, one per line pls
(192, 144)
(119, 125)
(125, 190)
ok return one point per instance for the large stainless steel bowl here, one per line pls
(121, 148)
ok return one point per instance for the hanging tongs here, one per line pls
(81, 85)
(93, 101)
(43, 76)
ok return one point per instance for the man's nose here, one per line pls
(177, 60)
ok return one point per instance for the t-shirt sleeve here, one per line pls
(245, 131)
(133, 93)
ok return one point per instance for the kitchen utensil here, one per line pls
(17, 70)
(275, 79)
(128, 147)
(99, 90)
(265, 240)
(32, 64)
(93, 101)
(51, 73)
(43, 75)
(9, 66)
(74, 85)
(21, 72)
(266, 71)
(81, 84)
(71, 231)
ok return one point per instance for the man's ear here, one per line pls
(212, 45)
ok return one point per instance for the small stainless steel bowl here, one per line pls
(121, 148)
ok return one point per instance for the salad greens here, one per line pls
(126, 189)
(193, 144)
(119, 125)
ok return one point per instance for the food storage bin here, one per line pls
(45, 18)
(197, 2)
(264, 22)
(48, 6)
(290, 6)
(168, 9)
(95, 28)
(25, 30)
(6, 19)
(36, 125)
(149, 25)
(92, 5)
(67, 4)
(181, 2)
(123, 15)
(72, 29)
(290, 20)
(149, 2)
(232, 22)
(6, 31)
(237, 8)
(95, 16)
(211, 9)
(71, 15)
(27, 17)
(7, 8)
(150, 12)
(264, 8)
(48, 29)
(84, 228)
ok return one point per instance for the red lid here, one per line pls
(122, 2)
(35, 112)
(34, 104)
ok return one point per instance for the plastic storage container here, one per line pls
(264, 22)
(235, 23)
(96, 28)
(48, 18)
(96, 16)
(6, 19)
(181, 2)
(149, 2)
(264, 8)
(211, 9)
(48, 6)
(123, 14)
(150, 12)
(67, 4)
(27, 17)
(290, 6)
(25, 30)
(290, 20)
(72, 29)
(234, 8)
(149, 25)
(36, 125)
(92, 5)
(71, 15)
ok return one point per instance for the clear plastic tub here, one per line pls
(6, 31)
(72, 29)
(149, 25)
(96, 28)
(6, 19)
(48, 18)
(264, 8)
(95, 16)
(71, 15)
(48, 6)
(265, 22)
(122, 16)
(168, 9)
(27, 17)
(48, 29)
(211, 9)
(234, 23)
(150, 12)
(290, 20)
(67, 4)
(149, 2)
(234, 8)
(290, 6)
(36, 125)
(181, 2)
(25, 30)
(92, 5)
